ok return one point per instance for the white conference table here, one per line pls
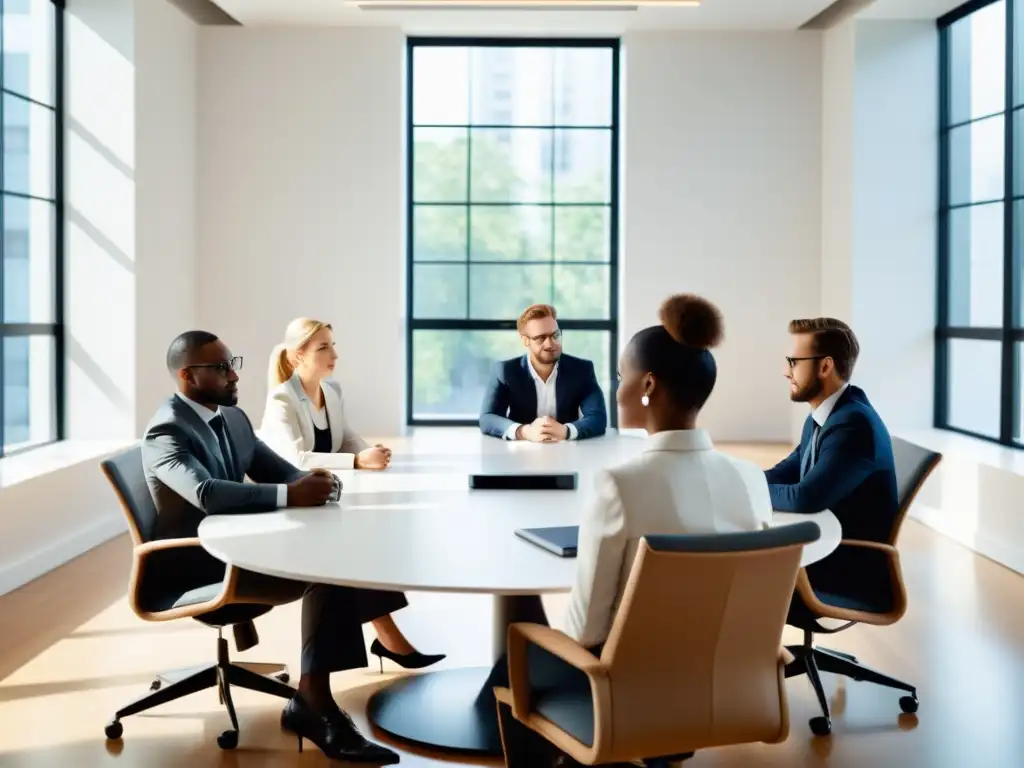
(418, 527)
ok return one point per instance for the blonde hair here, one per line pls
(535, 312)
(296, 336)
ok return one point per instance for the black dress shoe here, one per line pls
(335, 734)
(414, 660)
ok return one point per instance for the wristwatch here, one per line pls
(336, 492)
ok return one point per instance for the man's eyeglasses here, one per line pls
(555, 336)
(794, 360)
(224, 367)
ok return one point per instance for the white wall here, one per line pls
(301, 187)
(838, 51)
(300, 172)
(723, 198)
(130, 268)
(895, 233)
(166, 90)
(880, 187)
(100, 254)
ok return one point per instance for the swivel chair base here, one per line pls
(809, 660)
(265, 678)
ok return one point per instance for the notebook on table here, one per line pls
(560, 540)
(523, 481)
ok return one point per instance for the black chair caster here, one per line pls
(909, 704)
(821, 726)
(155, 685)
(114, 730)
(228, 740)
(284, 677)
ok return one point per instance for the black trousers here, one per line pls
(332, 617)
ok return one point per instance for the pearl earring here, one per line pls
(645, 400)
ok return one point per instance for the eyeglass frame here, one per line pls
(792, 361)
(555, 335)
(234, 364)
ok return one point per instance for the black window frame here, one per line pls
(1009, 335)
(413, 324)
(54, 329)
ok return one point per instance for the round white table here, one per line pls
(418, 527)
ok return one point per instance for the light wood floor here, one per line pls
(72, 652)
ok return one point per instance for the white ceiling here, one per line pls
(910, 9)
(712, 14)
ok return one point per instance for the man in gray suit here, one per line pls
(197, 451)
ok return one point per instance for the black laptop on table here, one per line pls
(559, 540)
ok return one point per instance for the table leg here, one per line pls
(453, 709)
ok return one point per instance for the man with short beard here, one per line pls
(543, 396)
(844, 462)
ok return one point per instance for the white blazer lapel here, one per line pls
(302, 416)
(335, 414)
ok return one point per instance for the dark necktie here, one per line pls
(217, 425)
(811, 454)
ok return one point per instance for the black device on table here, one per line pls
(560, 540)
(523, 481)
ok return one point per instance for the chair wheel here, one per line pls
(228, 740)
(909, 704)
(155, 685)
(114, 730)
(284, 677)
(821, 726)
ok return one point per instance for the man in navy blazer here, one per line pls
(844, 462)
(543, 396)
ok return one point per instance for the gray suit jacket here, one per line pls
(187, 478)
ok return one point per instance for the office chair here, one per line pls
(161, 590)
(860, 583)
(711, 676)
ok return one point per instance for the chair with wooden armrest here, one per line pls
(860, 583)
(693, 659)
(164, 587)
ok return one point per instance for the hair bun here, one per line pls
(692, 320)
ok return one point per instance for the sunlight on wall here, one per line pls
(100, 200)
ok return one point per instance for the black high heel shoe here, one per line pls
(335, 734)
(414, 660)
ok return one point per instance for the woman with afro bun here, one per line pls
(680, 483)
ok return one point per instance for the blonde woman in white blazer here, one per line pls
(304, 421)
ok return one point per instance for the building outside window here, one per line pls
(31, 334)
(980, 333)
(513, 200)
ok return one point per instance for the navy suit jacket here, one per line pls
(511, 397)
(854, 474)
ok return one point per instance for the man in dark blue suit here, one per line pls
(844, 462)
(543, 396)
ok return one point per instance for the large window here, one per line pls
(979, 361)
(31, 301)
(513, 187)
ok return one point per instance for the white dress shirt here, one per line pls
(207, 414)
(679, 484)
(546, 404)
(824, 409)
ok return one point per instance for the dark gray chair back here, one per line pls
(913, 466)
(125, 473)
(776, 536)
